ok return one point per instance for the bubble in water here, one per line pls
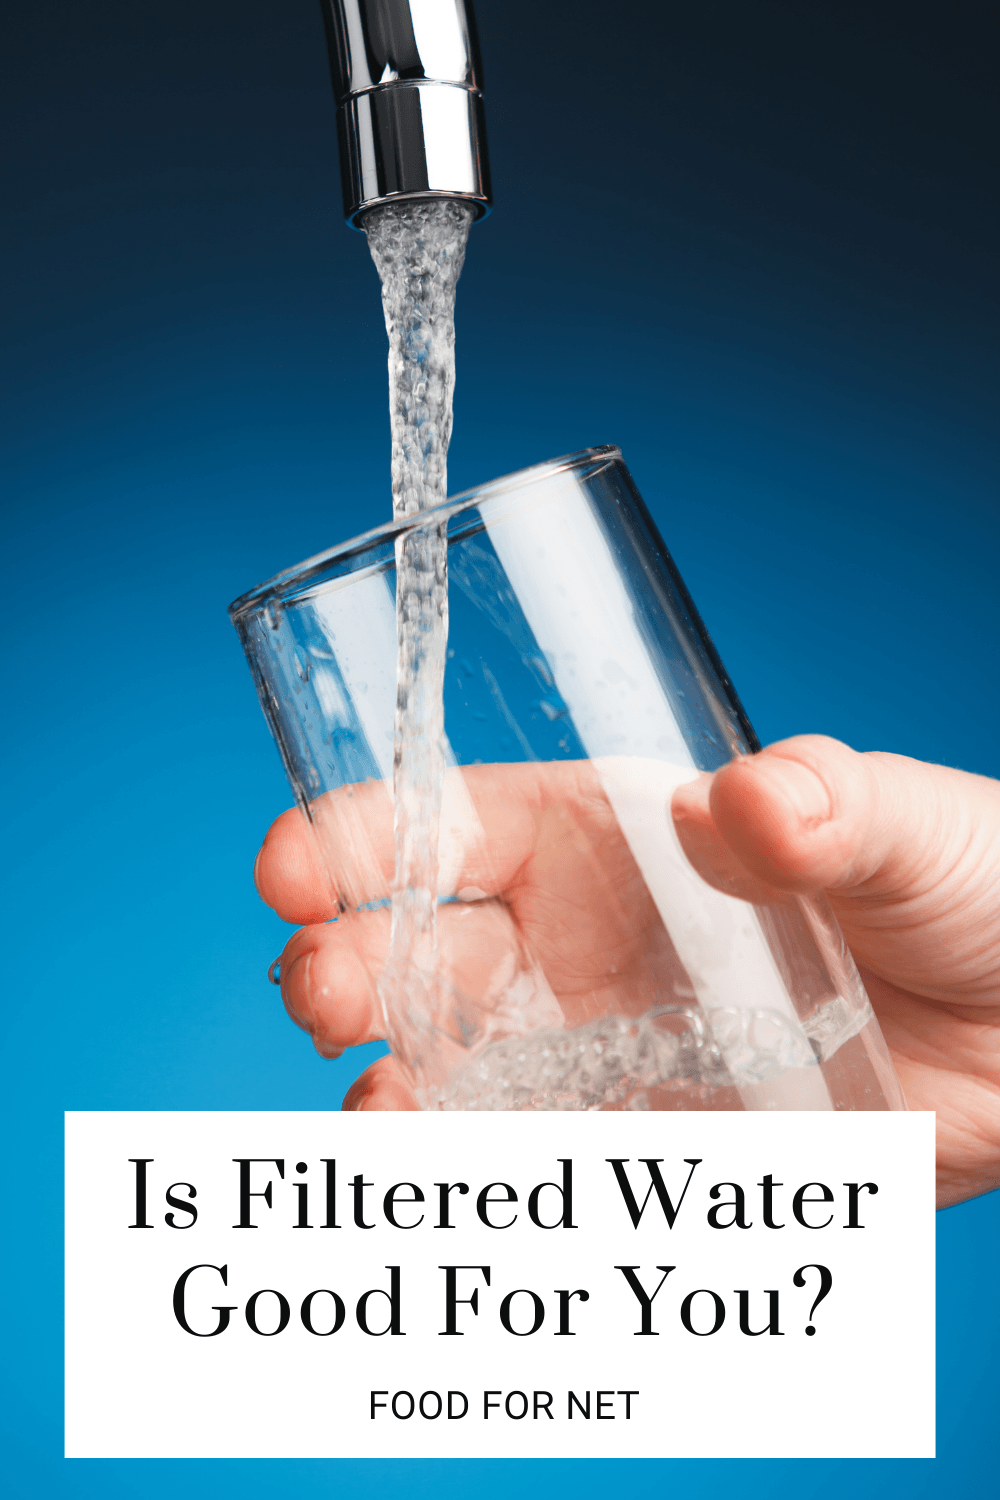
(612, 1063)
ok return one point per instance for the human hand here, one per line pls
(908, 854)
(545, 882)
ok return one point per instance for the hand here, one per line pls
(908, 854)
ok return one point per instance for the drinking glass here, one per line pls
(581, 961)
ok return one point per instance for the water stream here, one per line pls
(418, 247)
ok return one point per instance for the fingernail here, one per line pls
(295, 990)
(805, 790)
(326, 1050)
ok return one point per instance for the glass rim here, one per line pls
(591, 460)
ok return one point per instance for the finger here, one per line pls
(289, 873)
(491, 821)
(707, 850)
(328, 980)
(330, 971)
(801, 814)
(812, 814)
(380, 1087)
(910, 854)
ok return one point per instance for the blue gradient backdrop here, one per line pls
(751, 242)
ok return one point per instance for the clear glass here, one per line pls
(581, 961)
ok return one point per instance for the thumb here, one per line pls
(908, 852)
(810, 814)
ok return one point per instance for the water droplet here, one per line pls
(302, 665)
(272, 614)
(553, 711)
(541, 666)
(274, 972)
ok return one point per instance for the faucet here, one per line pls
(410, 121)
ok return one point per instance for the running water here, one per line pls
(709, 1057)
(418, 247)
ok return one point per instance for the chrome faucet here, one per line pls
(407, 77)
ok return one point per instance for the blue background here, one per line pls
(751, 242)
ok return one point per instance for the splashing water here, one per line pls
(616, 1062)
(418, 247)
